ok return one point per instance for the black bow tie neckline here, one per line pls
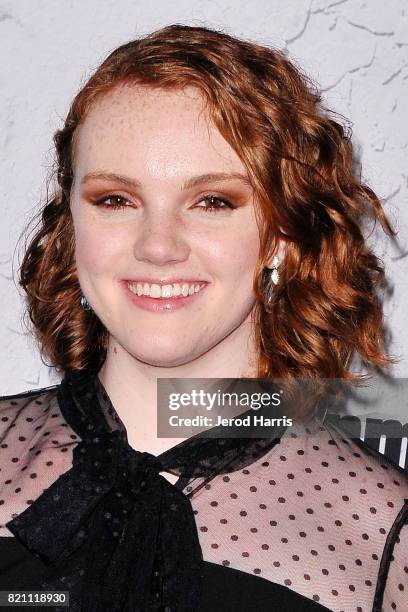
(118, 535)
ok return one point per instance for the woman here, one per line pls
(206, 224)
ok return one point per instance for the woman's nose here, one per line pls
(161, 240)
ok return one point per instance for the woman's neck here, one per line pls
(132, 384)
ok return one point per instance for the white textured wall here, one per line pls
(356, 50)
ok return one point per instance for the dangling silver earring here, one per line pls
(84, 303)
(272, 281)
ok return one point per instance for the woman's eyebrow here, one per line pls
(110, 176)
(215, 177)
(194, 181)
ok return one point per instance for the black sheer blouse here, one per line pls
(310, 520)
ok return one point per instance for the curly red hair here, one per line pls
(326, 307)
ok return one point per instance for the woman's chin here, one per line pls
(164, 358)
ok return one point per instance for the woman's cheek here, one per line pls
(97, 251)
(89, 258)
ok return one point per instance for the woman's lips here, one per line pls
(162, 304)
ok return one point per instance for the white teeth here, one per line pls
(165, 291)
(155, 291)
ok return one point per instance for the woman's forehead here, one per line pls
(134, 110)
(171, 128)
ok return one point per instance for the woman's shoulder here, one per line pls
(373, 501)
(20, 397)
(32, 420)
(361, 461)
(362, 476)
(27, 409)
(49, 389)
(319, 513)
(36, 446)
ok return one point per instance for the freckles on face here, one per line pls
(148, 164)
(160, 138)
(115, 134)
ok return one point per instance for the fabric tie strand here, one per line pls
(121, 532)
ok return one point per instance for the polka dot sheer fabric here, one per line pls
(316, 512)
(312, 514)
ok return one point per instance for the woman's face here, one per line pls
(186, 215)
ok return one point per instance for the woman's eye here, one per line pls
(211, 203)
(117, 201)
(214, 203)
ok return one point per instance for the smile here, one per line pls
(163, 298)
(165, 291)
